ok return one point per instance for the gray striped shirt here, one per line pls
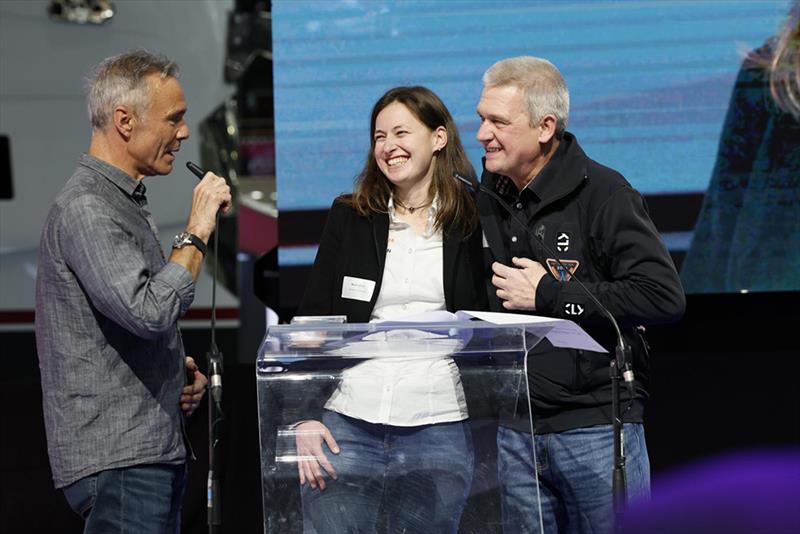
(107, 308)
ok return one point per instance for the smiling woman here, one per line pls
(403, 243)
(405, 149)
(411, 114)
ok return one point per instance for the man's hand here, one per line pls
(516, 286)
(193, 392)
(210, 195)
(311, 458)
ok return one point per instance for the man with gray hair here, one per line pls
(116, 384)
(599, 231)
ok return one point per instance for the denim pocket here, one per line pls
(81, 495)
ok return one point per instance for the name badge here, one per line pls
(357, 288)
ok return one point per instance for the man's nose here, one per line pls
(483, 133)
(183, 132)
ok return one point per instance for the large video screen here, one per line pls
(650, 85)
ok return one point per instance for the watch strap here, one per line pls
(196, 241)
(185, 238)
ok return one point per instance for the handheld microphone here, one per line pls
(622, 355)
(196, 170)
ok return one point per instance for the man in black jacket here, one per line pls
(599, 228)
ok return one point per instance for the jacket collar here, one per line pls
(380, 237)
(453, 244)
(562, 175)
(452, 241)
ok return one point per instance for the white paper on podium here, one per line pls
(405, 343)
(425, 335)
(560, 332)
(436, 316)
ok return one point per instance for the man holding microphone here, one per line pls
(116, 384)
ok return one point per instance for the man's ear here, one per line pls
(547, 128)
(124, 121)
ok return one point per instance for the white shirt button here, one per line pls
(518, 205)
(513, 239)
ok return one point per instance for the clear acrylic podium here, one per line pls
(304, 371)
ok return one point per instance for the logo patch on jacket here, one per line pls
(573, 308)
(559, 272)
(562, 242)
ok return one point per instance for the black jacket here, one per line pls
(621, 260)
(355, 246)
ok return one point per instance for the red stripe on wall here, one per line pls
(198, 314)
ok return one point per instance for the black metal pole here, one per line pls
(214, 370)
(215, 414)
(215, 418)
(618, 483)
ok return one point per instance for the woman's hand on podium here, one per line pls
(311, 458)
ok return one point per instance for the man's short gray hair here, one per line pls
(121, 79)
(542, 86)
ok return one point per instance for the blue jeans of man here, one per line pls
(575, 474)
(419, 477)
(131, 500)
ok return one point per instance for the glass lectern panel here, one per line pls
(386, 427)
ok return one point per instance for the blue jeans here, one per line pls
(419, 477)
(575, 469)
(131, 500)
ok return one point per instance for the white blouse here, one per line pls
(404, 391)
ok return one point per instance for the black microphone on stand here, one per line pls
(215, 414)
(622, 351)
(215, 367)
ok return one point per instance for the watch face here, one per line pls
(181, 240)
(185, 238)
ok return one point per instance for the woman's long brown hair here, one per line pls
(456, 206)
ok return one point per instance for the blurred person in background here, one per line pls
(749, 225)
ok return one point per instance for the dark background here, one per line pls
(723, 379)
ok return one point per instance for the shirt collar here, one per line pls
(397, 224)
(503, 185)
(129, 185)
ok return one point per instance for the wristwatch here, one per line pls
(185, 238)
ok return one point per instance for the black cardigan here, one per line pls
(355, 246)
